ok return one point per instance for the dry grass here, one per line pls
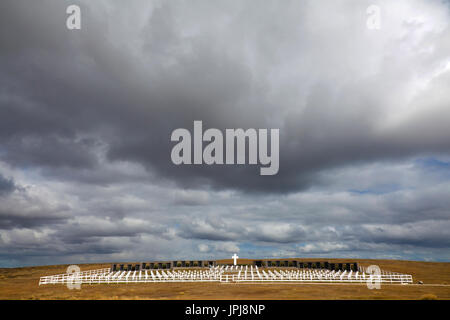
(22, 283)
(428, 296)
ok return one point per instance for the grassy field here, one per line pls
(22, 283)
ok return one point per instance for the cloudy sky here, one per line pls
(86, 117)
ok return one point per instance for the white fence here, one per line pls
(106, 276)
(70, 277)
(316, 276)
(225, 274)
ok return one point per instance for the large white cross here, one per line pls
(235, 257)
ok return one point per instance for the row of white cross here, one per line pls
(222, 274)
(133, 276)
(317, 275)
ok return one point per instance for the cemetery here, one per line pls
(222, 279)
(258, 271)
(286, 263)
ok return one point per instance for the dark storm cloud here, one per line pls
(235, 229)
(86, 118)
(10, 220)
(22, 210)
(91, 227)
(133, 116)
(131, 98)
(50, 151)
(6, 185)
(431, 234)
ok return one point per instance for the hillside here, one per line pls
(22, 283)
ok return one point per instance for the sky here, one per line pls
(86, 118)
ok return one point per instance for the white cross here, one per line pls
(235, 257)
